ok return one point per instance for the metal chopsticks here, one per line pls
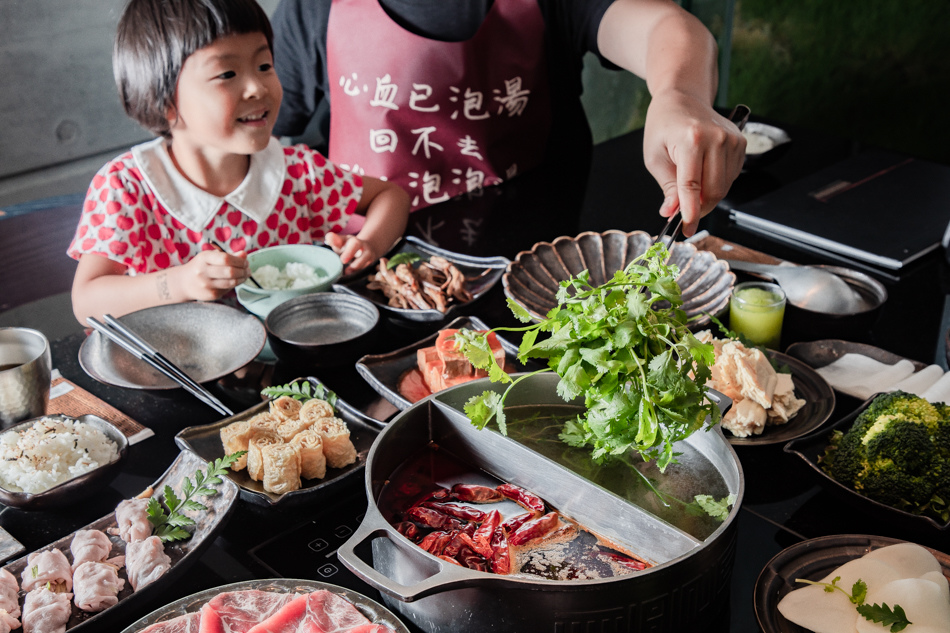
(249, 276)
(739, 116)
(131, 342)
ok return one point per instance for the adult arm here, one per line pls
(693, 152)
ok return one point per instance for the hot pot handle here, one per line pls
(448, 577)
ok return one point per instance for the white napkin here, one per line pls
(939, 391)
(862, 377)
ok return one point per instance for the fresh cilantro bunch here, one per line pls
(625, 347)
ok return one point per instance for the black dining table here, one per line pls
(783, 504)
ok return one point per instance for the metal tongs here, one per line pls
(739, 116)
(131, 342)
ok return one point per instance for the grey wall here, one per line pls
(61, 116)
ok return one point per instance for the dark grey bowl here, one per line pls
(802, 324)
(78, 488)
(322, 329)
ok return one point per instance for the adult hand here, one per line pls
(693, 152)
(212, 274)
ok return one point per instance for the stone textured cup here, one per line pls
(25, 366)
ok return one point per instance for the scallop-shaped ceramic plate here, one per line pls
(532, 278)
(384, 371)
(811, 447)
(813, 559)
(206, 340)
(374, 612)
(205, 440)
(819, 400)
(78, 488)
(182, 553)
(482, 273)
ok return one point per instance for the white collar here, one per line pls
(194, 207)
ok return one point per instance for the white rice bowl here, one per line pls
(50, 452)
(294, 275)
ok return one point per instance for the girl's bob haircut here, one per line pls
(155, 37)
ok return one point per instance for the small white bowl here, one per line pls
(261, 301)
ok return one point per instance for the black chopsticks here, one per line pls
(131, 342)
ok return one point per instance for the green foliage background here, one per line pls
(877, 71)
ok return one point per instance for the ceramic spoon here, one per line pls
(808, 287)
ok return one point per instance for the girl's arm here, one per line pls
(101, 286)
(386, 207)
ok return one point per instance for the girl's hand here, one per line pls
(355, 253)
(212, 274)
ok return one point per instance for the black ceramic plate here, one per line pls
(77, 488)
(818, 354)
(205, 440)
(810, 447)
(472, 267)
(813, 560)
(532, 280)
(182, 553)
(375, 612)
(383, 371)
(206, 340)
(819, 404)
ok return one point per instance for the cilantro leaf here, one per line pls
(405, 257)
(168, 521)
(883, 614)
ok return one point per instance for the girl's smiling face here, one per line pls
(227, 98)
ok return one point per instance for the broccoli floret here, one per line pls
(896, 452)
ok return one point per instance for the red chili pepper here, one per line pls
(470, 559)
(450, 559)
(433, 518)
(481, 540)
(409, 530)
(455, 544)
(475, 494)
(522, 497)
(500, 556)
(516, 522)
(626, 561)
(435, 542)
(464, 513)
(534, 529)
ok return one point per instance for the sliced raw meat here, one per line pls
(412, 387)
(239, 611)
(187, 623)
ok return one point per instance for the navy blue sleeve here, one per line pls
(300, 28)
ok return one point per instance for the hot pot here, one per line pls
(685, 588)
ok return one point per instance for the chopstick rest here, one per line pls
(131, 342)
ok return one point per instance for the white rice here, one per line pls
(294, 275)
(50, 452)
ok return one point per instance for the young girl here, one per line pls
(172, 220)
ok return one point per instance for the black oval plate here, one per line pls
(375, 612)
(813, 559)
(818, 354)
(819, 405)
(810, 447)
(383, 371)
(183, 553)
(471, 267)
(205, 440)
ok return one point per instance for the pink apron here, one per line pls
(439, 118)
